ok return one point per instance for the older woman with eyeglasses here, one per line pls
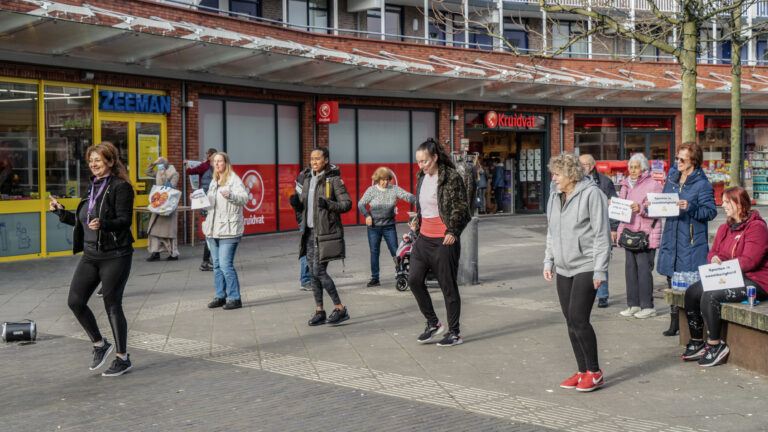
(684, 241)
(381, 198)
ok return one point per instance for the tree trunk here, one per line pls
(735, 169)
(688, 66)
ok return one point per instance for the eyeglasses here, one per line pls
(682, 159)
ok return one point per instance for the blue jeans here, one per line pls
(602, 290)
(375, 234)
(305, 276)
(224, 274)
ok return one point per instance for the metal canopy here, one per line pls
(94, 38)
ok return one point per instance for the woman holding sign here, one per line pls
(684, 241)
(638, 269)
(744, 237)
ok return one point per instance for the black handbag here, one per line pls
(635, 241)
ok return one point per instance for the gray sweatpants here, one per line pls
(638, 271)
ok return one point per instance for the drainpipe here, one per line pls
(562, 131)
(452, 127)
(184, 151)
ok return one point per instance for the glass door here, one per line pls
(139, 140)
(531, 155)
(655, 146)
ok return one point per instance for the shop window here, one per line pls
(210, 125)
(756, 155)
(18, 142)
(58, 235)
(19, 234)
(309, 15)
(393, 24)
(651, 124)
(289, 161)
(715, 141)
(68, 134)
(342, 138)
(598, 136)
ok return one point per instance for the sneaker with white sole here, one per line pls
(100, 354)
(646, 313)
(430, 332)
(628, 312)
(119, 366)
(714, 355)
(694, 350)
(451, 339)
(590, 381)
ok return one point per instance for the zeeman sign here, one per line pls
(134, 102)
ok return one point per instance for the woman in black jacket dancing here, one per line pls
(102, 232)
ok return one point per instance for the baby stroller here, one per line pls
(403, 265)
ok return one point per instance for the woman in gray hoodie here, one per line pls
(578, 251)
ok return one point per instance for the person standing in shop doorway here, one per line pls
(205, 171)
(609, 190)
(322, 200)
(498, 184)
(443, 213)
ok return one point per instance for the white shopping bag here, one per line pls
(163, 200)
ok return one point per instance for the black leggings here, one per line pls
(430, 253)
(703, 307)
(577, 294)
(113, 275)
(319, 273)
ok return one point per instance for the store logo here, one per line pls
(327, 112)
(491, 119)
(255, 186)
(134, 102)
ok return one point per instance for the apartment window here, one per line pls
(311, 15)
(208, 5)
(245, 7)
(563, 32)
(393, 24)
(478, 36)
(515, 34)
(762, 52)
(436, 32)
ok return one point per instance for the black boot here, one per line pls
(674, 322)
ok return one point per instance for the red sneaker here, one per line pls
(573, 381)
(590, 381)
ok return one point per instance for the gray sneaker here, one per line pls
(119, 366)
(100, 355)
(306, 287)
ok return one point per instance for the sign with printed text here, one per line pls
(620, 209)
(134, 102)
(200, 200)
(721, 276)
(149, 150)
(663, 205)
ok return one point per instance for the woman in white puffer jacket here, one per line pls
(223, 229)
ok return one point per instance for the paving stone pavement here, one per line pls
(263, 368)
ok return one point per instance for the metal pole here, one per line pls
(184, 153)
(335, 17)
(285, 12)
(382, 11)
(426, 21)
(466, 23)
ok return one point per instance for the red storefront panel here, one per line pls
(259, 211)
(287, 179)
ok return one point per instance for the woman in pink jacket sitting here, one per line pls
(638, 269)
(744, 236)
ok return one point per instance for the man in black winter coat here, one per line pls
(606, 185)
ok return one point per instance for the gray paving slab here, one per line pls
(516, 350)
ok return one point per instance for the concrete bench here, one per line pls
(744, 328)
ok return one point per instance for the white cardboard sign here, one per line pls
(200, 200)
(721, 276)
(620, 209)
(663, 205)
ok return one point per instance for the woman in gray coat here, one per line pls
(162, 229)
(578, 252)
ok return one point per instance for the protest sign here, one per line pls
(663, 205)
(620, 209)
(200, 200)
(721, 276)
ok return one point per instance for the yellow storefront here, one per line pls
(42, 153)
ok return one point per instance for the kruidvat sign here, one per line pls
(134, 102)
(495, 120)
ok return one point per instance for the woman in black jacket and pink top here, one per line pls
(102, 232)
(441, 202)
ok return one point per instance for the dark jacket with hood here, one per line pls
(451, 199)
(328, 231)
(115, 211)
(605, 184)
(685, 239)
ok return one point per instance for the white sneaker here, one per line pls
(646, 313)
(628, 312)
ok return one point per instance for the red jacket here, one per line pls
(749, 243)
(200, 169)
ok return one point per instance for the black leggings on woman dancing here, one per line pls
(577, 294)
(112, 273)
